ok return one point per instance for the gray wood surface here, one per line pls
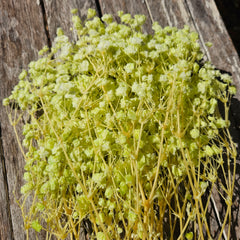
(22, 35)
(58, 14)
(26, 26)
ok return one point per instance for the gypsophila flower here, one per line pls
(123, 129)
(91, 13)
(194, 133)
(129, 67)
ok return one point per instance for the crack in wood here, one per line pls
(99, 9)
(5, 183)
(45, 22)
(149, 11)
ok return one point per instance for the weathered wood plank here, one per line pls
(6, 231)
(210, 26)
(133, 7)
(169, 13)
(58, 14)
(22, 35)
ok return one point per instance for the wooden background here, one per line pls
(27, 25)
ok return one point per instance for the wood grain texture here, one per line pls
(22, 35)
(210, 26)
(133, 7)
(58, 14)
(170, 13)
(6, 231)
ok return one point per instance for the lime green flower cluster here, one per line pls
(119, 120)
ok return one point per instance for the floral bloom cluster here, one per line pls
(119, 121)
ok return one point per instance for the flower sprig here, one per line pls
(119, 121)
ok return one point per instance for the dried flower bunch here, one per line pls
(125, 131)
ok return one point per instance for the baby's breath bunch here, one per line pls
(124, 131)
